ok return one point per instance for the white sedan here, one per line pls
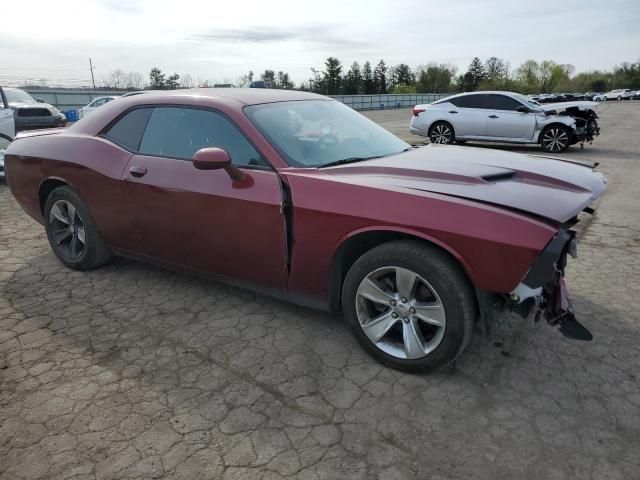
(505, 117)
(91, 106)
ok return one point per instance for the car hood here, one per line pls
(31, 105)
(563, 106)
(554, 189)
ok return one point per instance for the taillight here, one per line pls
(417, 111)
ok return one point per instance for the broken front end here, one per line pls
(543, 290)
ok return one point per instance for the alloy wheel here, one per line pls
(555, 140)
(441, 133)
(400, 312)
(67, 228)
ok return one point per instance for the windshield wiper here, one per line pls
(349, 160)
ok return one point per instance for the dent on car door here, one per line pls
(202, 219)
(505, 122)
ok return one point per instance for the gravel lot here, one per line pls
(135, 372)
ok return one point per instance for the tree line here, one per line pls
(494, 73)
(334, 78)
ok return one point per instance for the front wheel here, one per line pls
(72, 234)
(442, 133)
(409, 305)
(556, 139)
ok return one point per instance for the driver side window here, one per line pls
(180, 132)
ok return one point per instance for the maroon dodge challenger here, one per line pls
(296, 195)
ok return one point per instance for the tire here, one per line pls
(389, 328)
(442, 133)
(72, 233)
(556, 138)
(619, 98)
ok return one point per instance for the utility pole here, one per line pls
(93, 80)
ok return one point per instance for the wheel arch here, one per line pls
(361, 241)
(46, 187)
(556, 122)
(441, 120)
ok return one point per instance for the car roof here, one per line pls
(248, 96)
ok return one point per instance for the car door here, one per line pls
(201, 219)
(504, 122)
(467, 117)
(7, 124)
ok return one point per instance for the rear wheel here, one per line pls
(409, 305)
(442, 133)
(72, 234)
(556, 139)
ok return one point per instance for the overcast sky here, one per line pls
(221, 40)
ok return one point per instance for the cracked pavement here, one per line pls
(130, 371)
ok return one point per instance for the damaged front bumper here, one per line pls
(543, 290)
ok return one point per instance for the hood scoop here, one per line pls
(499, 177)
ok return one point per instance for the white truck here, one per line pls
(7, 128)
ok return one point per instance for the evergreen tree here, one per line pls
(172, 82)
(332, 75)
(367, 78)
(401, 75)
(269, 77)
(380, 78)
(284, 81)
(157, 80)
(476, 71)
(352, 83)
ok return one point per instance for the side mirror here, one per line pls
(523, 109)
(39, 100)
(215, 159)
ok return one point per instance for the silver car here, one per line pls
(506, 117)
(31, 113)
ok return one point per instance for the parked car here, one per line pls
(505, 117)
(599, 97)
(91, 106)
(619, 94)
(297, 195)
(7, 128)
(546, 98)
(31, 113)
(591, 95)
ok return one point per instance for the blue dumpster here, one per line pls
(72, 115)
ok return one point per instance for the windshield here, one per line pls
(314, 133)
(15, 95)
(532, 104)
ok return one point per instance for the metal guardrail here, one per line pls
(73, 99)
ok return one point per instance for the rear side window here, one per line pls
(469, 101)
(180, 132)
(501, 102)
(127, 132)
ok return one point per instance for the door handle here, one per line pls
(452, 111)
(138, 171)
(493, 116)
